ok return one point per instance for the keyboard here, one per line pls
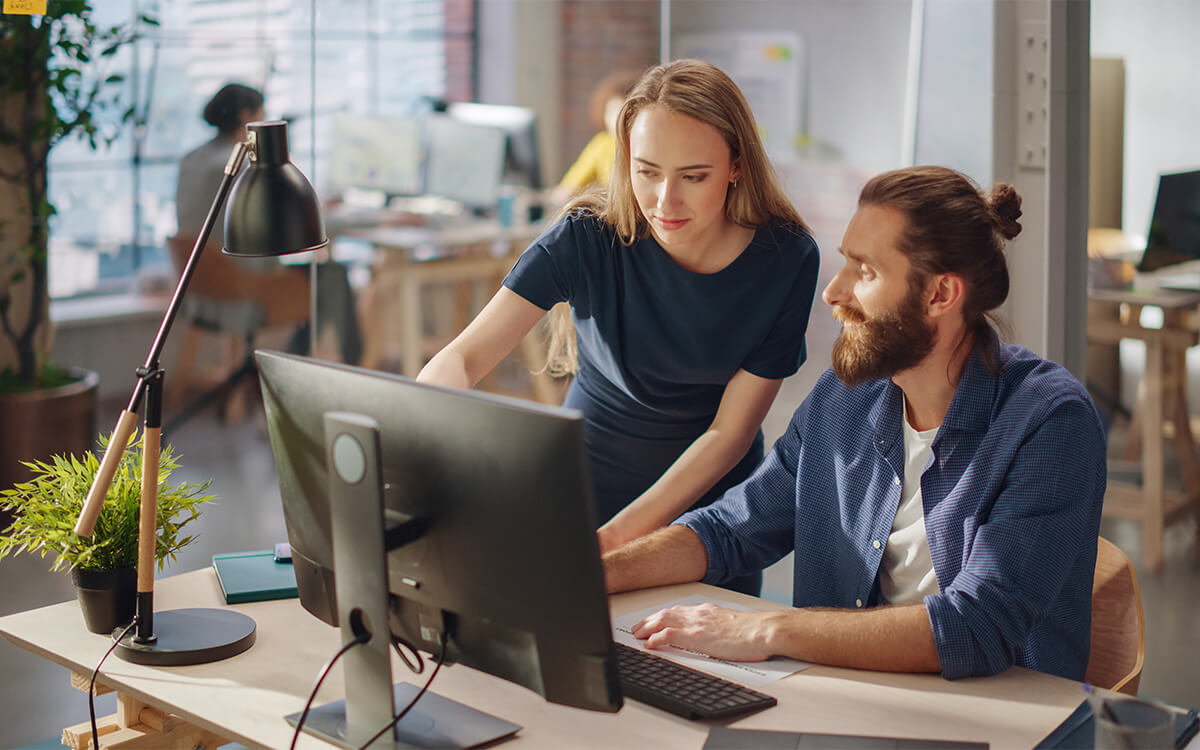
(682, 690)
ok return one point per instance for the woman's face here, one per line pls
(680, 169)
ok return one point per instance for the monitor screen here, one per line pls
(508, 555)
(1174, 234)
(522, 164)
(376, 153)
(465, 161)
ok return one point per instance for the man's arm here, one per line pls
(891, 639)
(669, 555)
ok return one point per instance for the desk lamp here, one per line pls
(273, 210)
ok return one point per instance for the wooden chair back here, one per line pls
(217, 275)
(1118, 626)
(282, 293)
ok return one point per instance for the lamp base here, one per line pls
(191, 636)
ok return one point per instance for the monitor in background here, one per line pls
(522, 164)
(464, 162)
(1174, 234)
(376, 153)
(491, 550)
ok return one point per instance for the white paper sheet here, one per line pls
(751, 674)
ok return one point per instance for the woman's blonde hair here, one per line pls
(702, 91)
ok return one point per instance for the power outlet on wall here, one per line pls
(1033, 95)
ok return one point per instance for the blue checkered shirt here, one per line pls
(1011, 495)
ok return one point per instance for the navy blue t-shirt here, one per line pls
(658, 343)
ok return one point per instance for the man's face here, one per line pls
(884, 326)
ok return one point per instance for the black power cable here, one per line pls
(416, 668)
(92, 683)
(359, 640)
(411, 703)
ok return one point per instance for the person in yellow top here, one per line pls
(594, 164)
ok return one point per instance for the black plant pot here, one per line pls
(107, 597)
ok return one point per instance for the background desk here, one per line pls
(246, 697)
(408, 258)
(1161, 408)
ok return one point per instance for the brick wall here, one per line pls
(600, 36)
(460, 49)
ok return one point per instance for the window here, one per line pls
(313, 60)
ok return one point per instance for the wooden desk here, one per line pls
(1162, 408)
(245, 698)
(409, 257)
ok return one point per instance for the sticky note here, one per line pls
(25, 7)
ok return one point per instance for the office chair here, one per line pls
(1118, 626)
(228, 298)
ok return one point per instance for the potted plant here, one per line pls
(103, 566)
(54, 84)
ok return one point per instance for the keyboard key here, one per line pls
(681, 690)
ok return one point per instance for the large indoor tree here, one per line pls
(55, 83)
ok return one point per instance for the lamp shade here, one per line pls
(273, 209)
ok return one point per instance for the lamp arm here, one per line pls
(127, 420)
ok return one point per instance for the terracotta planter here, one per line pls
(106, 597)
(40, 424)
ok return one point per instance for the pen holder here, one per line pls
(1134, 724)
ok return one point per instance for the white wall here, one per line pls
(1157, 39)
(857, 52)
(517, 64)
(954, 103)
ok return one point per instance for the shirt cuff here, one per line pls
(951, 637)
(716, 563)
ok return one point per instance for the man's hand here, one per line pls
(716, 631)
(892, 639)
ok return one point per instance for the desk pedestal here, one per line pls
(136, 725)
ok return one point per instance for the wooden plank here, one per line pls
(157, 730)
(181, 737)
(80, 683)
(129, 710)
(1125, 500)
(79, 736)
(1111, 332)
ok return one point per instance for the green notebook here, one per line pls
(254, 577)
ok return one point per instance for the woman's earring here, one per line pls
(734, 183)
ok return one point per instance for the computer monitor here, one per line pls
(522, 163)
(1174, 235)
(376, 153)
(464, 161)
(491, 550)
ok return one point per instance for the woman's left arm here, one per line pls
(740, 414)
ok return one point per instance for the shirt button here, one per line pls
(896, 481)
(875, 544)
(858, 602)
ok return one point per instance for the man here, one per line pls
(941, 490)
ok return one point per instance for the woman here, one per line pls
(200, 172)
(594, 164)
(690, 282)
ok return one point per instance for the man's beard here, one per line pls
(882, 345)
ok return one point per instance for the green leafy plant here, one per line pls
(55, 83)
(48, 506)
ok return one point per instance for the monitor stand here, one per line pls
(360, 560)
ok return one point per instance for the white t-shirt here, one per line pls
(906, 574)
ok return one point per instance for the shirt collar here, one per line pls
(971, 407)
